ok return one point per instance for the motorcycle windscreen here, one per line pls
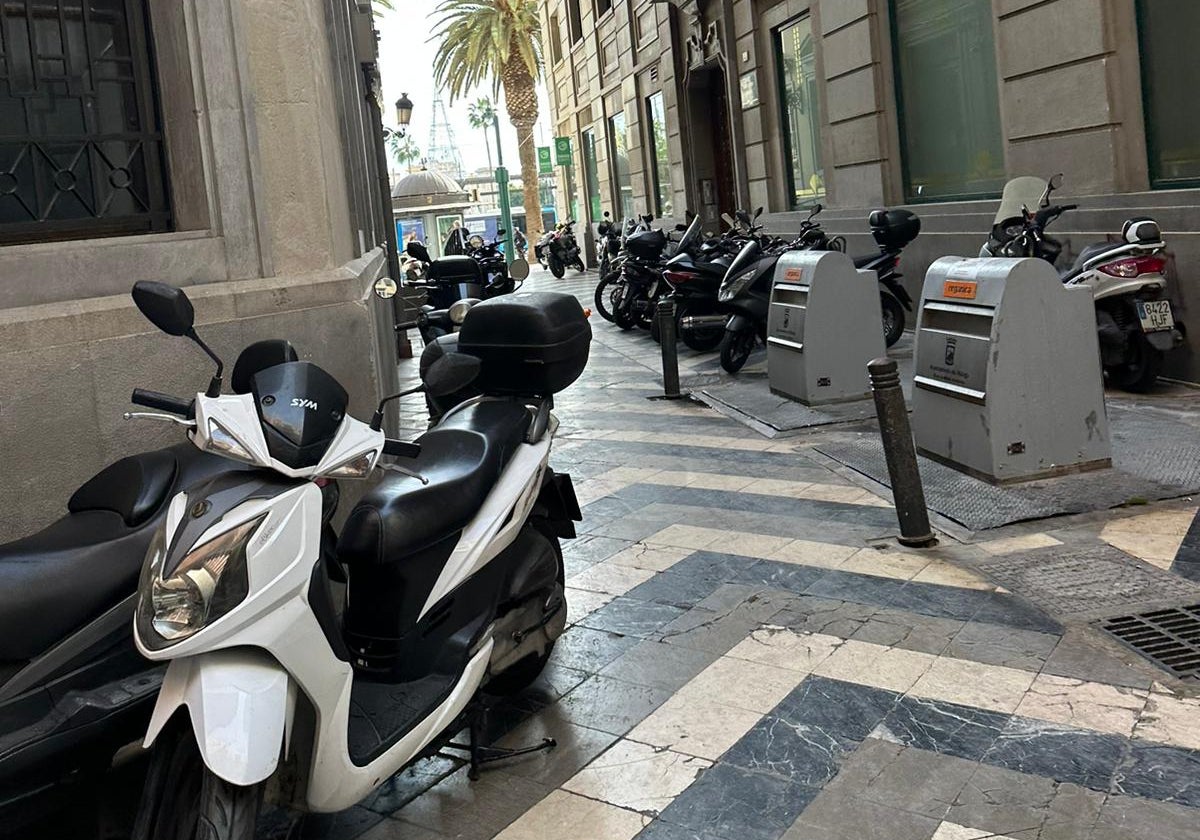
(745, 258)
(690, 237)
(1026, 191)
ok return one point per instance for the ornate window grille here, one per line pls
(81, 150)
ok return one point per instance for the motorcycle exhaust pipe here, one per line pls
(695, 322)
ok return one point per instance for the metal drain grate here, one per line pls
(1170, 638)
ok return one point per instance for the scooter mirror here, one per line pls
(1056, 181)
(385, 287)
(167, 307)
(817, 208)
(500, 232)
(518, 269)
(758, 212)
(452, 372)
(418, 251)
(606, 214)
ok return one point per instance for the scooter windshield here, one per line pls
(690, 237)
(1026, 190)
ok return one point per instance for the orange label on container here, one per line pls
(962, 289)
(793, 274)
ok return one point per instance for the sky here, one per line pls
(405, 58)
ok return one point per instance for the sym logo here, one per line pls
(309, 404)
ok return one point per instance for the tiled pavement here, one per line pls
(751, 658)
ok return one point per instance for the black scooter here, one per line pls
(478, 275)
(73, 688)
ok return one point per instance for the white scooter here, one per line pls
(1134, 320)
(282, 677)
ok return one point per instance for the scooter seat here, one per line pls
(462, 458)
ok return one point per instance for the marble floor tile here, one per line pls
(810, 553)
(632, 617)
(637, 776)
(953, 831)
(851, 711)
(1156, 549)
(742, 683)
(581, 602)
(628, 474)
(1086, 705)
(947, 574)
(609, 578)
(611, 705)
(1008, 646)
(797, 752)
(717, 481)
(589, 650)
(706, 730)
(913, 780)
(890, 564)
(1166, 522)
(836, 816)
(567, 816)
(684, 536)
(786, 648)
(1055, 751)
(576, 746)
(867, 664)
(1024, 542)
(1170, 720)
(735, 804)
(909, 631)
(458, 807)
(846, 493)
(947, 728)
(655, 558)
(967, 683)
(750, 545)
(659, 664)
(1158, 771)
(780, 487)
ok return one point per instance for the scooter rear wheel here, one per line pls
(183, 799)
(1140, 374)
(893, 318)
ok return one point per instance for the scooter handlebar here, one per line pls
(401, 448)
(162, 402)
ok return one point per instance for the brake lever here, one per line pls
(154, 415)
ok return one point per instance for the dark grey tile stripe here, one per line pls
(762, 784)
(697, 576)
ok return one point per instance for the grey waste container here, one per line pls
(823, 327)
(1007, 383)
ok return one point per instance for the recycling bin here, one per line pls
(823, 326)
(1007, 384)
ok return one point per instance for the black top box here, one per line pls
(646, 244)
(455, 269)
(529, 343)
(894, 228)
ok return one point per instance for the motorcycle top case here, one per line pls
(455, 269)
(894, 228)
(528, 343)
(646, 244)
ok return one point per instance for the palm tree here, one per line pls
(481, 115)
(497, 42)
(379, 6)
(403, 148)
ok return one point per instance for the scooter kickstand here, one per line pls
(480, 754)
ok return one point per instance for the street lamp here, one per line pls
(404, 108)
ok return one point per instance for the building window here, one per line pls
(603, 7)
(948, 98)
(1170, 79)
(574, 22)
(591, 175)
(656, 116)
(619, 147)
(801, 112)
(80, 144)
(555, 40)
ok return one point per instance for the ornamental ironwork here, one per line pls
(81, 150)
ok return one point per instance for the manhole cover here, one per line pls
(1088, 579)
(1169, 638)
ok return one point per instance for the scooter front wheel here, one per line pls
(556, 267)
(183, 799)
(736, 348)
(604, 295)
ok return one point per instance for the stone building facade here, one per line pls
(711, 105)
(227, 147)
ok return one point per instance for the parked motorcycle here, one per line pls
(480, 274)
(1133, 315)
(279, 678)
(73, 688)
(606, 288)
(559, 250)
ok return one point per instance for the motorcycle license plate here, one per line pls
(1155, 315)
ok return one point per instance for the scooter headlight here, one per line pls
(732, 288)
(208, 582)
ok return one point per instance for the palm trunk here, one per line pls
(487, 144)
(520, 98)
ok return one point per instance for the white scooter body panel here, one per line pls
(240, 708)
(276, 623)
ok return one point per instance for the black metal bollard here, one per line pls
(664, 312)
(901, 454)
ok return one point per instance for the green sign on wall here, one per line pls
(562, 151)
(545, 167)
